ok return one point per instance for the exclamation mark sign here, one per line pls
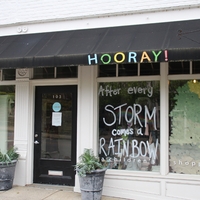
(166, 55)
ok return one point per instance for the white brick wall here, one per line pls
(14, 12)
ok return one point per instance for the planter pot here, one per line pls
(92, 184)
(7, 172)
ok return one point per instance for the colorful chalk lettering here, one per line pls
(128, 57)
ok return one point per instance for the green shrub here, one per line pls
(9, 156)
(88, 163)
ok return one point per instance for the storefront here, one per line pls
(131, 93)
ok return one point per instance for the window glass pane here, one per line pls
(184, 134)
(107, 70)
(40, 73)
(7, 108)
(179, 67)
(8, 74)
(196, 67)
(129, 125)
(128, 69)
(149, 69)
(67, 72)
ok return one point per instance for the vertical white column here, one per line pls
(22, 129)
(164, 114)
(86, 84)
(86, 111)
(164, 125)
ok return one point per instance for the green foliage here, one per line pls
(9, 156)
(88, 163)
(185, 115)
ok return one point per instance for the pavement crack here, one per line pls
(51, 194)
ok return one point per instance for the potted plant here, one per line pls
(91, 175)
(8, 162)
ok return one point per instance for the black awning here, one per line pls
(159, 42)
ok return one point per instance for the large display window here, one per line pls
(7, 108)
(184, 134)
(129, 125)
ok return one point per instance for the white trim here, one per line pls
(103, 21)
(1, 74)
(30, 136)
(33, 84)
(95, 110)
(92, 11)
(164, 130)
(8, 82)
(52, 82)
(190, 67)
(184, 77)
(129, 79)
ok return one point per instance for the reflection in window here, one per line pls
(8, 74)
(129, 125)
(147, 69)
(128, 69)
(55, 72)
(179, 67)
(7, 108)
(46, 72)
(107, 70)
(114, 70)
(184, 135)
(196, 67)
(67, 72)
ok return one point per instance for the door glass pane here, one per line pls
(56, 125)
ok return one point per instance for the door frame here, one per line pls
(74, 122)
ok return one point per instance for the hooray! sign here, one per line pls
(129, 57)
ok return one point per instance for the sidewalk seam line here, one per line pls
(51, 194)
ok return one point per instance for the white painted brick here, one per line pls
(33, 11)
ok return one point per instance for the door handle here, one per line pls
(36, 142)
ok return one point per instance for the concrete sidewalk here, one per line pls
(43, 192)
